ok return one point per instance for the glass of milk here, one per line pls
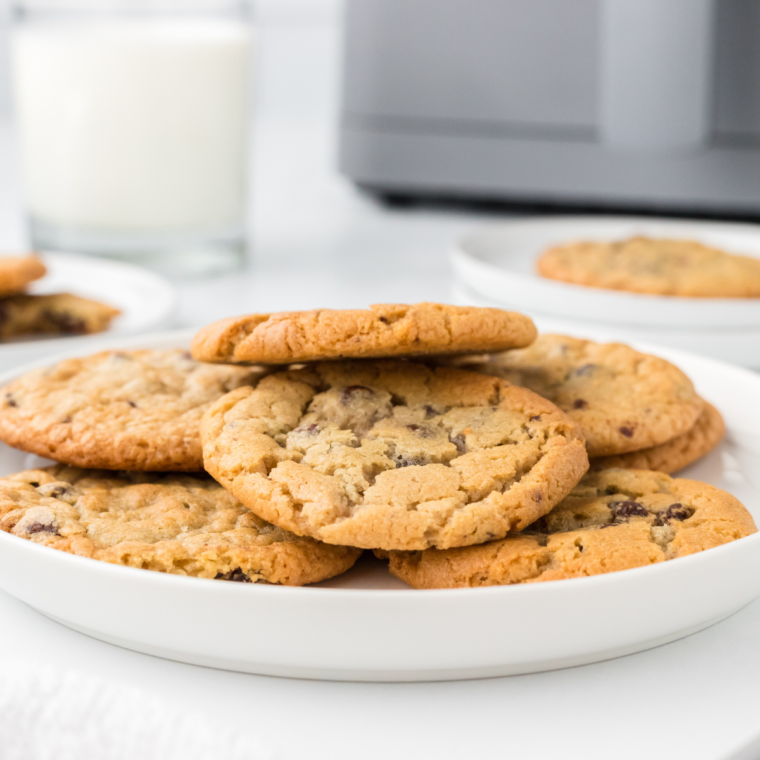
(134, 122)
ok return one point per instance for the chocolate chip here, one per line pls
(627, 431)
(350, 391)
(537, 418)
(66, 322)
(39, 527)
(623, 509)
(236, 575)
(310, 430)
(384, 320)
(9, 400)
(675, 511)
(579, 403)
(54, 492)
(132, 404)
(586, 369)
(460, 442)
(537, 497)
(402, 460)
(187, 355)
(66, 420)
(420, 430)
(429, 411)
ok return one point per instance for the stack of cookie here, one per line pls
(25, 315)
(447, 439)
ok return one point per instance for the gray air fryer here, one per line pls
(622, 103)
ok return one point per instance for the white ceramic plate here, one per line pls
(366, 625)
(499, 261)
(147, 302)
(731, 344)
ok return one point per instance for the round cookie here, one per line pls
(180, 524)
(384, 330)
(392, 454)
(613, 520)
(117, 410)
(654, 266)
(707, 433)
(622, 400)
(16, 272)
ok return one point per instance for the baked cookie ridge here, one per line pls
(613, 520)
(120, 410)
(385, 330)
(392, 454)
(623, 400)
(178, 524)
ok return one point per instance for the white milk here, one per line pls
(134, 126)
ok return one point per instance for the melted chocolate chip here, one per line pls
(66, 322)
(350, 391)
(236, 575)
(402, 460)
(310, 430)
(384, 320)
(132, 404)
(9, 400)
(420, 430)
(675, 511)
(429, 411)
(66, 420)
(579, 403)
(55, 492)
(38, 527)
(460, 442)
(586, 369)
(537, 418)
(624, 509)
(627, 431)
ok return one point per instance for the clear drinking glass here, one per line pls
(134, 123)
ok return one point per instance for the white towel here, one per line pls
(64, 715)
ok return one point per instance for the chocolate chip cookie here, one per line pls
(54, 314)
(673, 455)
(613, 520)
(120, 410)
(622, 400)
(16, 272)
(653, 266)
(380, 331)
(392, 454)
(172, 523)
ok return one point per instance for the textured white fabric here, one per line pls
(64, 715)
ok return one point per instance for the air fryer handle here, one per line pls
(656, 73)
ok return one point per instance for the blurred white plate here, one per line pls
(365, 625)
(730, 344)
(499, 261)
(147, 302)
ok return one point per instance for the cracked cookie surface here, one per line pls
(117, 410)
(179, 524)
(385, 330)
(613, 520)
(673, 455)
(654, 266)
(16, 272)
(392, 454)
(622, 400)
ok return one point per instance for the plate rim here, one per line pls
(462, 256)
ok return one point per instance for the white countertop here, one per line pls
(319, 243)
